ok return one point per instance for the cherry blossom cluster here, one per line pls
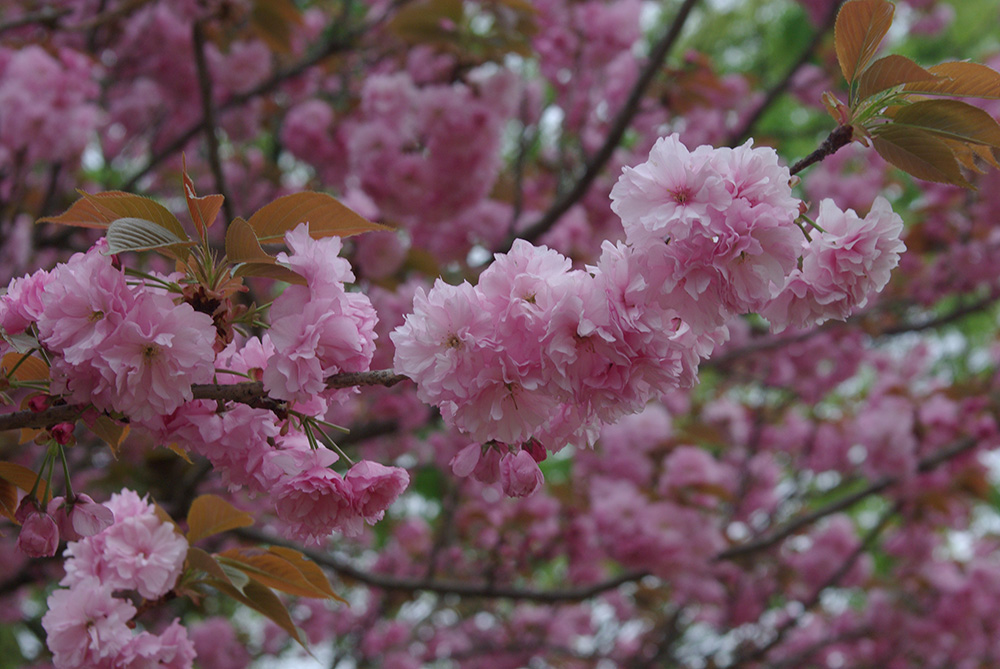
(539, 350)
(87, 625)
(132, 349)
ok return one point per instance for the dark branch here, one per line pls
(247, 392)
(385, 582)
(776, 91)
(788, 529)
(209, 121)
(620, 124)
(838, 139)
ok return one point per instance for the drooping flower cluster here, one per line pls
(86, 624)
(539, 350)
(319, 329)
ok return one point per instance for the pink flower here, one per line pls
(154, 356)
(841, 267)
(519, 474)
(374, 487)
(79, 517)
(170, 650)
(145, 554)
(318, 260)
(315, 500)
(21, 305)
(670, 194)
(85, 625)
(39, 535)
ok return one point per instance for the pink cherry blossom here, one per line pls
(519, 474)
(86, 626)
(374, 487)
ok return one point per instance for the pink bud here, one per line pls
(519, 474)
(39, 536)
(62, 433)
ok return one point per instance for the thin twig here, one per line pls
(620, 124)
(208, 115)
(386, 582)
(779, 88)
(247, 392)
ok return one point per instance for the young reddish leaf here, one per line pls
(24, 479)
(261, 599)
(210, 514)
(269, 271)
(275, 571)
(202, 561)
(99, 210)
(271, 570)
(180, 452)
(111, 431)
(140, 234)
(429, 21)
(242, 244)
(203, 210)
(919, 153)
(272, 20)
(8, 499)
(965, 156)
(309, 569)
(326, 217)
(861, 26)
(960, 79)
(25, 367)
(889, 72)
(950, 119)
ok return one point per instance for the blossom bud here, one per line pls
(519, 474)
(39, 536)
(62, 433)
(39, 403)
(488, 468)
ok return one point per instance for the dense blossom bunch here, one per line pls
(538, 350)
(87, 624)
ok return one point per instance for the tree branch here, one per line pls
(925, 465)
(385, 582)
(615, 134)
(209, 122)
(776, 91)
(247, 392)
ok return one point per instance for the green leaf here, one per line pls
(918, 153)
(960, 79)
(210, 514)
(325, 215)
(889, 72)
(950, 119)
(140, 234)
(861, 26)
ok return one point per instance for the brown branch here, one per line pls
(386, 582)
(866, 544)
(769, 541)
(839, 138)
(776, 91)
(46, 17)
(332, 47)
(208, 114)
(247, 392)
(619, 125)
